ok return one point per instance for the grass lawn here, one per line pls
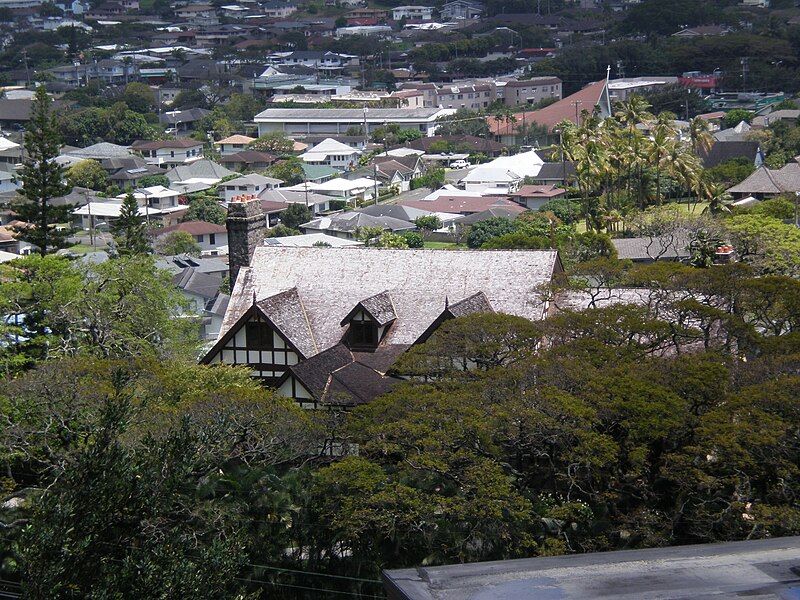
(442, 245)
(84, 249)
(682, 208)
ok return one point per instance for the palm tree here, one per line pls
(700, 136)
(718, 198)
(664, 134)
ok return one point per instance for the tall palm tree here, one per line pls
(664, 138)
(700, 136)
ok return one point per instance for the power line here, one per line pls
(314, 573)
(312, 589)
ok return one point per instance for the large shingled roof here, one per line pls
(327, 283)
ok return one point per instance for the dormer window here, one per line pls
(368, 322)
(363, 332)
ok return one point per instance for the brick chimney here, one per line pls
(246, 226)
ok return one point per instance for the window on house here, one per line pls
(363, 334)
(212, 238)
(199, 239)
(258, 336)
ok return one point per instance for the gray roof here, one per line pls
(287, 313)
(753, 569)
(100, 151)
(206, 264)
(330, 282)
(206, 169)
(253, 179)
(651, 248)
(183, 116)
(771, 181)
(349, 222)
(192, 281)
(396, 211)
(346, 114)
(723, 151)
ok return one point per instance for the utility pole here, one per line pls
(745, 68)
(27, 73)
(577, 103)
(375, 177)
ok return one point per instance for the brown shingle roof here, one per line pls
(195, 228)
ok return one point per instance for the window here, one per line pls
(258, 336)
(199, 239)
(363, 334)
(212, 238)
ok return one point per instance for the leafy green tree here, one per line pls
(205, 208)
(389, 239)
(737, 115)
(42, 180)
(153, 180)
(483, 231)
(120, 308)
(281, 230)
(295, 215)
(274, 142)
(139, 97)
(433, 179)
(88, 174)
(413, 239)
(289, 170)
(130, 229)
(177, 242)
(731, 172)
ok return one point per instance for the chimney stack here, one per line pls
(246, 226)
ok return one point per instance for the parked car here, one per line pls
(459, 164)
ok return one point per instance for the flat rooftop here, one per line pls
(755, 570)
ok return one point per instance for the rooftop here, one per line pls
(761, 569)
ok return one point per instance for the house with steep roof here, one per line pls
(347, 224)
(247, 160)
(325, 325)
(206, 302)
(768, 183)
(503, 174)
(332, 153)
(593, 97)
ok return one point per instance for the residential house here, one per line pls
(768, 183)
(701, 31)
(169, 153)
(560, 173)
(324, 325)
(533, 197)
(209, 236)
(183, 120)
(724, 151)
(277, 9)
(332, 153)
(412, 13)
(198, 14)
(347, 225)
(339, 188)
(459, 204)
(277, 200)
(462, 9)
(10, 154)
(210, 265)
(503, 174)
(247, 160)
(233, 144)
(206, 302)
(252, 184)
(206, 171)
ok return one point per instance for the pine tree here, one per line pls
(129, 229)
(42, 180)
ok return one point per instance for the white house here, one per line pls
(169, 153)
(414, 13)
(233, 144)
(504, 174)
(209, 236)
(252, 184)
(362, 188)
(333, 154)
(158, 197)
